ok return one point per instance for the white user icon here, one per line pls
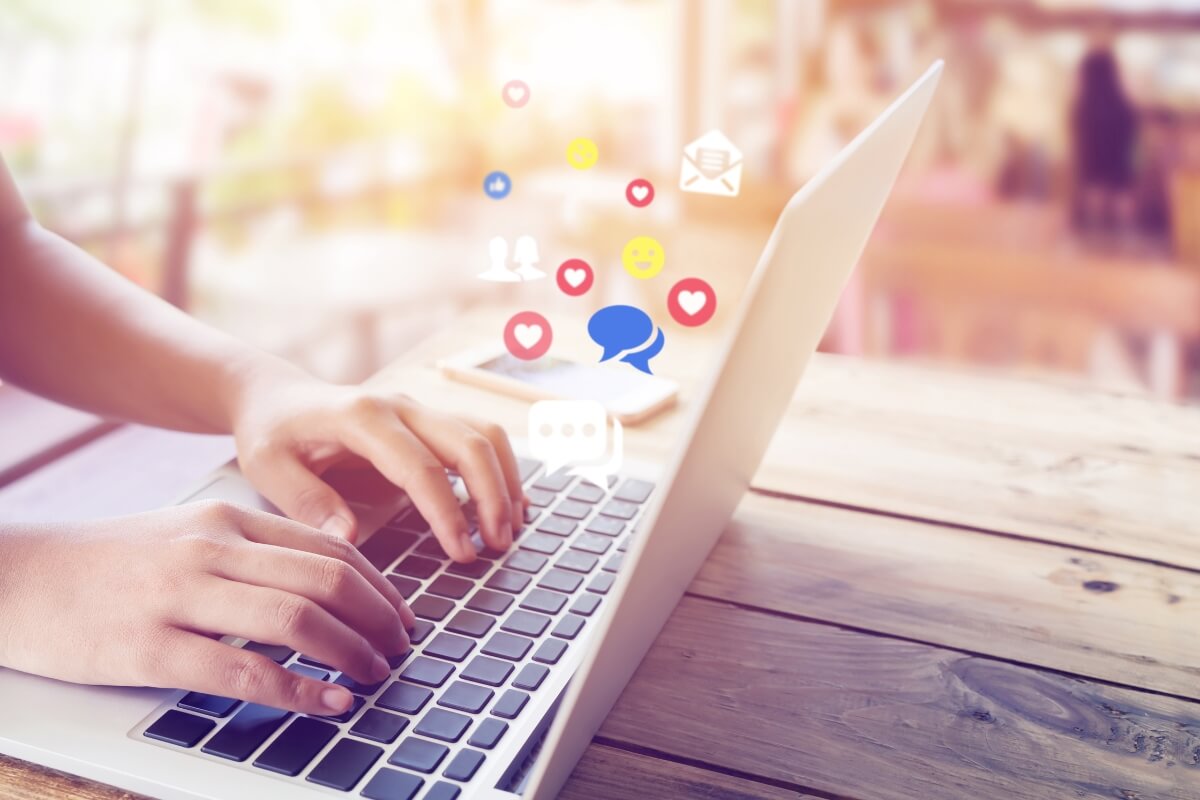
(711, 165)
(525, 256)
(574, 434)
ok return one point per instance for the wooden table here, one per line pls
(942, 586)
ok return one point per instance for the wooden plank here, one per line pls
(1098, 616)
(21, 780)
(846, 713)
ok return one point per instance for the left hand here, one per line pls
(290, 428)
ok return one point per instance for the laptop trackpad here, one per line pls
(233, 489)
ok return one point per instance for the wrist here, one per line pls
(251, 376)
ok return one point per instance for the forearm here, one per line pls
(73, 330)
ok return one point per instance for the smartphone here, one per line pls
(629, 395)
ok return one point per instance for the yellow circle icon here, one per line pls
(643, 257)
(582, 153)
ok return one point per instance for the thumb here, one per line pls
(302, 495)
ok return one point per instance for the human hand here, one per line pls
(139, 601)
(290, 428)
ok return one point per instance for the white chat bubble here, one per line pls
(574, 433)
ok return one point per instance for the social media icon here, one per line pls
(527, 335)
(497, 185)
(575, 277)
(515, 93)
(692, 302)
(525, 256)
(643, 257)
(582, 153)
(626, 332)
(573, 434)
(639, 193)
(711, 165)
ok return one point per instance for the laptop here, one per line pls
(518, 657)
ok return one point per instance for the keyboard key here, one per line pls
(572, 509)
(379, 726)
(449, 647)
(432, 548)
(601, 583)
(178, 728)
(475, 570)
(525, 623)
(619, 509)
(418, 567)
(554, 482)
(488, 734)
(539, 498)
(418, 754)
(526, 561)
(587, 492)
(355, 704)
(510, 704)
(466, 697)
(312, 662)
(442, 791)
(245, 731)
(299, 744)
(463, 766)
(439, 723)
(559, 526)
(561, 581)
(411, 521)
(385, 546)
(404, 697)
(506, 645)
(420, 631)
(427, 671)
(532, 513)
(344, 765)
(359, 688)
(607, 526)
(577, 561)
(276, 652)
(585, 604)
(470, 623)
(450, 586)
(209, 704)
(614, 563)
(505, 580)
(390, 784)
(541, 543)
(530, 677)
(591, 543)
(309, 672)
(527, 467)
(429, 607)
(550, 651)
(394, 662)
(544, 602)
(634, 491)
(568, 627)
(489, 671)
(490, 602)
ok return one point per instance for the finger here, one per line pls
(273, 530)
(197, 663)
(299, 493)
(225, 607)
(332, 583)
(508, 465)
(474, 457)
(405, 461)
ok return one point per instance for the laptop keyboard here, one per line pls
(488, 634)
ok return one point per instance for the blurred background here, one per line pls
(308, 174)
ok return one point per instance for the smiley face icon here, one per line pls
(582, 153)
(643, 257)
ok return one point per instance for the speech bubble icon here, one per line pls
(567, 432)
(619, 328)
(640, 359)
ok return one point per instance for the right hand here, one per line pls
(142, 600)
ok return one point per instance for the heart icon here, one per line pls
(640, 191)
(515, 94)
(575, 277)
(693, 302)
(528, 335)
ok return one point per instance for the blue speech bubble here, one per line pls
(622, 329)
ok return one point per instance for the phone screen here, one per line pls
(568, 379)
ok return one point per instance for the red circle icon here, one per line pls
(639, 192)
(692, 302)
(575, 277)
(527, 335)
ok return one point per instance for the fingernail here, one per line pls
(467, 545)
(379, 668)
(335, 699)
(337, 526)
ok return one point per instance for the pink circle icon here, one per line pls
(515, 93)
(527, 335)
(692, 302)
(575, 277)
(639, 192)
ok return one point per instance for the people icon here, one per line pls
(525, 256)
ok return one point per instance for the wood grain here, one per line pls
(846, 713)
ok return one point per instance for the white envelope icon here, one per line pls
(711, 165)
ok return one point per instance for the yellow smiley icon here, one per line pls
(643, 257)
(582, 153)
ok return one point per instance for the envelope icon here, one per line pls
(711, 165)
